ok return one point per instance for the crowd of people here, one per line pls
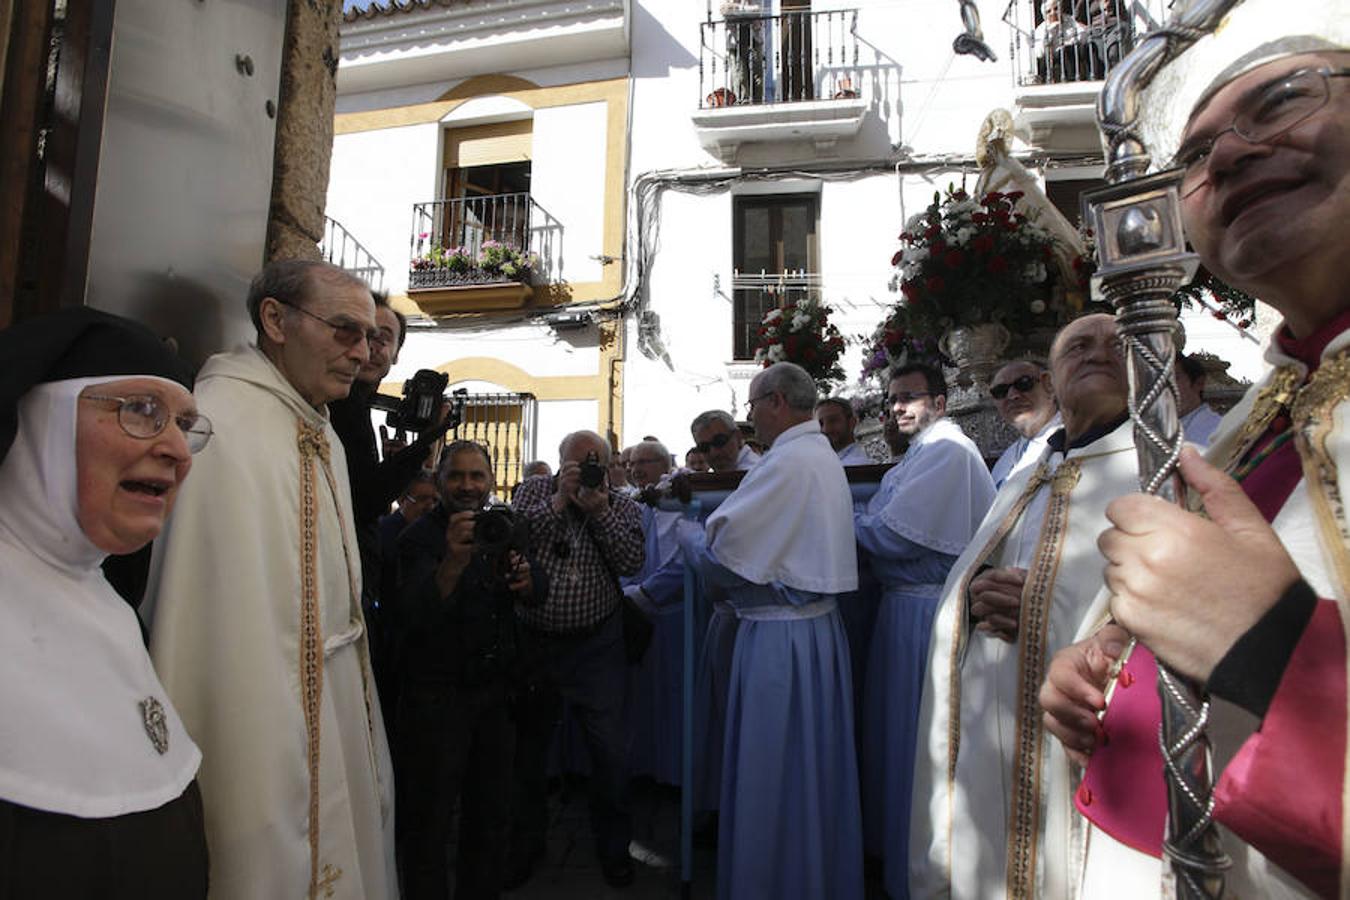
(951, 675)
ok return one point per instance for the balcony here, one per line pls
(1062, 52)
(340, 248)
(389, 44)
(792, 76)
(480, 252)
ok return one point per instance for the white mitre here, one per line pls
(1254, 32)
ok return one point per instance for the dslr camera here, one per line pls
(497, 530)
(592, 474)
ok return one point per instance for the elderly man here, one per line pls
(1024, 399)
(837, 421)
(991, 807)
(1198, 418)
(779, 551)
(1253, 611)
(719, 440)
(921, 517)
(655, 684)
(586, 536)
(257, 629)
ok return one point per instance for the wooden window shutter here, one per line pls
(488, 145)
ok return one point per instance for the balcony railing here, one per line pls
(340, 248)
(1066, 41)
(756, 59)
(469, 225)
(755, 293)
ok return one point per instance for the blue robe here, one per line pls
(655, 685)
(790, 822)
(937, 496)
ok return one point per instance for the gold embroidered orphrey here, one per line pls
(156, 724)
(1034, 620)
(313, 445)
(1312, 412)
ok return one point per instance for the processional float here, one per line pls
(1142, 260)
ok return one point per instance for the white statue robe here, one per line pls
(257, 634)
(992, 790)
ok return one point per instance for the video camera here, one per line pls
(422, 397)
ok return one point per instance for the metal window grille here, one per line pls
(505, 424)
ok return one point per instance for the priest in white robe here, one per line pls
(256, 626)
(991, 811)
(779, 551)
(920, 519)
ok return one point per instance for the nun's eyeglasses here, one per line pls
(145, 416)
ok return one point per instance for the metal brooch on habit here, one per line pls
(156, 725)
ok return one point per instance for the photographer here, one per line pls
(461, 572)
(586, 537)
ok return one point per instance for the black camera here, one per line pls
(497, 530)
(422, 397)
(592, 474)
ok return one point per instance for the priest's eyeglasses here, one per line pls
(348, 334)
(145, 416)
(1263, 115)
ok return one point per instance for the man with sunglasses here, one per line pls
(920, 519)
(719, 440)
(1024, 399)
(256, 623)
(1248, 599)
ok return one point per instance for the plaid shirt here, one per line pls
(584, 557)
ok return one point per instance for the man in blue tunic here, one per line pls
(779, 550)
(920, 519)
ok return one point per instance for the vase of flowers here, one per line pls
(800, 332)
(966, 263)
(894, 343)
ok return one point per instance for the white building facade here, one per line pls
(684, 166)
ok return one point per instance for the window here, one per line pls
(487, 185)
(774, 254)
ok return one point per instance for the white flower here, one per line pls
(962, 208)
(1038, 306)
(914, 255)
(800, 320)
(963, 235)
(759, 355)
(775, 353)
(773, 315)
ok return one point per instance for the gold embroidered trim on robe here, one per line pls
(312, 445)
(1024, 817)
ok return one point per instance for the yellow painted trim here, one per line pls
(470, 297)
(613, 92)
(514, 378)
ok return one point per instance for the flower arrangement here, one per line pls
(493, 262)
(894, 343)
(800, 332)
(968, 262)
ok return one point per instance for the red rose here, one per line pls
(938, 247)
(791, 345)
(954, 258)
(909, 290)
(998, 264)
(899, 255)
(936, 284)
(983, 244)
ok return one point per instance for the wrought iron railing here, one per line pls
(754, 294)
(754, 59)
(1065, 41)
(504, 423)
(464, 227)
(340, 248)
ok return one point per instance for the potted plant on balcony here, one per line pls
(721, 97)
(800, 332)
(974, 273)
(494, 263)
(844, 89)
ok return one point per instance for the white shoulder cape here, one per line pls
(791, 519)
